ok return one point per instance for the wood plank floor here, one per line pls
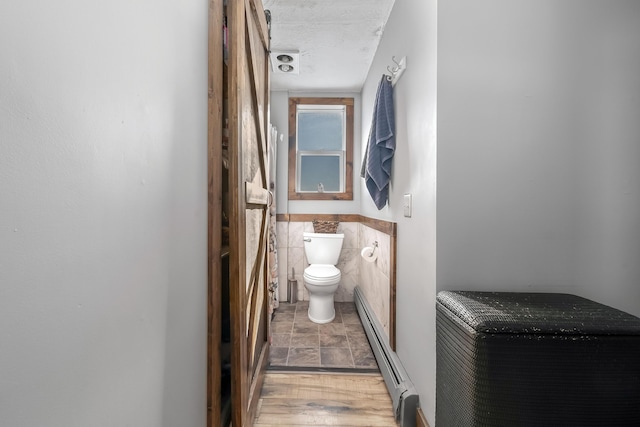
(324, 399)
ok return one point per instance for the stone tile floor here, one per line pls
(297, 341)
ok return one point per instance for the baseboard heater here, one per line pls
(403, 394)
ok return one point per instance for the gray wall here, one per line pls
(539, 189)
(103, 111)
(411, 31)
(608, 165)
(537, 173)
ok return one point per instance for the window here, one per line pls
(321, 148)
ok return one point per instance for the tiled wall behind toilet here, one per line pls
(291, 255)
(373, 278)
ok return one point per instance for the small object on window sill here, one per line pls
(320, 188)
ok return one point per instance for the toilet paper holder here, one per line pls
(369, 253)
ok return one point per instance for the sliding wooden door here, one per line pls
(249, 199)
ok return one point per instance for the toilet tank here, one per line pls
(322, 248)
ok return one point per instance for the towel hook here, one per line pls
(395, 69)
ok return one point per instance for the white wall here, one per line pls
(411, 32)
(538, 190)
(103, 213)
(280, 119)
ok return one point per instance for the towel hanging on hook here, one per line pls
(381, 144)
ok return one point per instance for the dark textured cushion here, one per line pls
(540, 313)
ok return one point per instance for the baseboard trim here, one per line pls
(403, 394)
(421, 420)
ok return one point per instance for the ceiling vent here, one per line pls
(285, 62)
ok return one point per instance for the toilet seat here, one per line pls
(322, 274)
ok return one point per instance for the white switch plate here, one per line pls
(407, 205)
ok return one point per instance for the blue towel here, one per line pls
(381, 145)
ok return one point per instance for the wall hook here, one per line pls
(397, 70)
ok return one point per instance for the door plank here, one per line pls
(256, 56)
(259, 17)
(237, 216)
(255, 194)
(256, 291)
(214, 215)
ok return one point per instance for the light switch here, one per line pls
(407, 205)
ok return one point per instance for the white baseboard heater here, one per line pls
(403, 395)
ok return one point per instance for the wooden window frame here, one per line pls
(348, 167)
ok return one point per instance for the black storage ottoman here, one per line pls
(535, 359)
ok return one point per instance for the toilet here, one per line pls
(322, 277)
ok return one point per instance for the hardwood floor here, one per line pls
(324, 399)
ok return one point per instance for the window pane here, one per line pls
(320, 130)
(317, 170)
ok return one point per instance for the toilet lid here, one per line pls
(322, 272)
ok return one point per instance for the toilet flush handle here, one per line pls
(307, 239)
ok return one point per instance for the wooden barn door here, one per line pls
(250, 198)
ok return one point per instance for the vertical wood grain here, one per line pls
(237, 223)
(214, 210)
(393, 261)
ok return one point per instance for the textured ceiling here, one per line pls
(336, 39)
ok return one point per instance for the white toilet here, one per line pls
(322, 277)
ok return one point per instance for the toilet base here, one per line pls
(321, 309)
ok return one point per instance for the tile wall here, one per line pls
(374, 277)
